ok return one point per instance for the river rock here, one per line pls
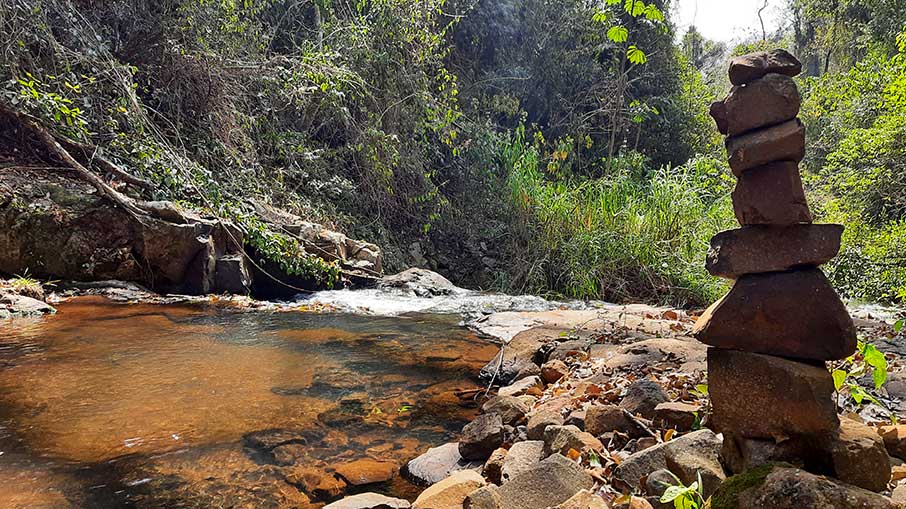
(782, 142)
(793, 314)
(585, 499)
(315, 482)
(554, 370)
(367, 471)
(450, 493)
(600, 419)
(13, 305)
(519, 353)
(547, 484)
(532, 386)
(642, 397)
(421, 282)
(676, 415)
(522, 456)
(486, 497)
(511, 409)
(690, 465)
(481, 436)
(739, 454)
(437, 464)
(493, 467)
(369, 501)
(703, 443)
(771, 194)
(894, 439)
(767, 101)
(560, 439)
(759, 249)
(780, 487)
(743, 385)
(857, 455)
(750, 67)
(540, 420)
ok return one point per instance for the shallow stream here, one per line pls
(107, 405)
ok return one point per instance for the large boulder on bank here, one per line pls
(750, 67)
(767, 101)
(793, 314)
(858, 456)
(421, 282)
(547, 484)
(762, 396)
(782, 142)
(780, 487)
(521, 457)
(759, 249)
(771, 194)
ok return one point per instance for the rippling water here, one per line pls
(110, 405)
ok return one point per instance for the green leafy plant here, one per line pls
(684, 497)
(868, 359)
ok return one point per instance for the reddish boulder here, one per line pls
(747, 68)
(761, 396)
(767, 101)
(757, 249)
(718, 112)
(792, 314)
(857, 455)
(367, 471)
(782, 142)
(771, 194)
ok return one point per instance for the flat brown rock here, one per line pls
(792, 314)
(757, 249)
(782, 142)
(767, 101)
(762, 396)
(752, 66)
(367, 471)
(771, 194)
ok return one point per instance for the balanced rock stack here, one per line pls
(771, 393)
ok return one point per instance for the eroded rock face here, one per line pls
(767, 101)
(771, 194)
(758, 249)
(793, 314)
(762, 396)
(783, 142)
(747, 68)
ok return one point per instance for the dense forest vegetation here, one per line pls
(548, 146)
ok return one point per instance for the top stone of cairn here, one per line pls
(756, 65)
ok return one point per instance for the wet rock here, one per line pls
(315, 482)
(289, 454)
(511, 409)
(757, 249)
(600, 419)
(540, 420)
(857, 455)
(481, 436)
(739, 454)
(766, 101)
(771, 194)
(783, 142)
(421, 282)
(369, 501)
(750, 67)
(742, 385)
(642, 397)
(764, 313)
(268, 439)
(703, 444)
(894, 439)
(532, 386)
(493, 468)
(367, 471)
(521, 457)
(781, 487)
(585, 499)
(547, 484)
(19, 306)
(437, 464)
(560, 439)
(450, 493)
(554, 370)
(676, 415)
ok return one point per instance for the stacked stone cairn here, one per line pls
(771, 335)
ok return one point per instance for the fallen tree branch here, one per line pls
(91, 153)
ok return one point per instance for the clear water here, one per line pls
(109, 405)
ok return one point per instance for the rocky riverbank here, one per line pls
(608, 408)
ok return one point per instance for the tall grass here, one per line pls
(634, 235)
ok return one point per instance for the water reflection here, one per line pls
(148, 406)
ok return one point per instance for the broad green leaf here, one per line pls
(635, 8)
(673, 492)
(618, 34)
(897, 327)
(636, 56)
(702, 388)
(839, 379)
(652, 13)
(875, 359)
